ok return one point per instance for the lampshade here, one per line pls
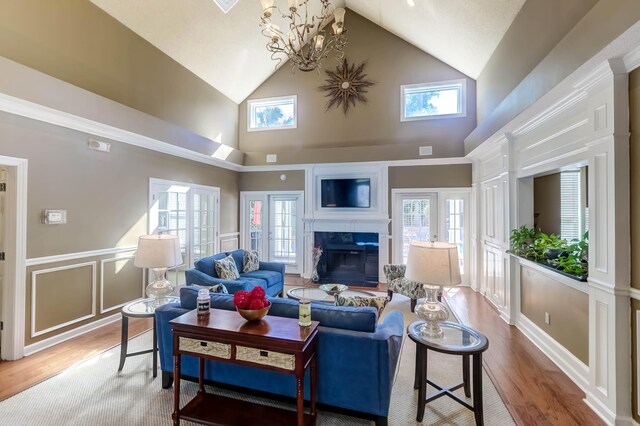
(158, 251)
(433, 263)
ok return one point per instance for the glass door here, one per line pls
(455, 220)
(418, 221)
(272, 225)
(190, 212)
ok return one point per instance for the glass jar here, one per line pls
(203, 302)
(304, 313)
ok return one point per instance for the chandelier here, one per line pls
(305, 43)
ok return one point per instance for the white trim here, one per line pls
(638, 361)
(62, 337)
(102, 263)
(34, 275)
(272, 102)
(78, 255)
(229, 235)
(565, 360)
(635, 294)
(562, 279)
(434, 86)
(45, 114)
(14, 288)
(390, 163)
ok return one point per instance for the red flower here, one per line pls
(241, 299)
(258, 293)
(256, 304)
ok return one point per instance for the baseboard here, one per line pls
(62, 337)
(565, 360)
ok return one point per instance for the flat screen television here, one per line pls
(345, 193)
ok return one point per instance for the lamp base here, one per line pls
(432, 312)
(160, 287)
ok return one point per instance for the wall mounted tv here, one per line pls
(345, 193)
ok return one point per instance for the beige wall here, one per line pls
(602, 24)
(444, 176)
(106, 198)
(77, 42)
(568, 309)
(524, 45)
(374, 128)
(546, 203)
(634, 172)
(271, 181)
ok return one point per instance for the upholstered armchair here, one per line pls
(396, 282)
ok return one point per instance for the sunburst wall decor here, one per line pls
(346, 85)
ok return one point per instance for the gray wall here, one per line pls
(568, 309)
(75, 41)
(546, 203)
(370, 131)
(599, 27)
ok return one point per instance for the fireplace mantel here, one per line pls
(374, 219)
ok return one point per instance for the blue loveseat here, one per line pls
(357, 356)
(269, 276)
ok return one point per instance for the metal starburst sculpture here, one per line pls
(346, 85)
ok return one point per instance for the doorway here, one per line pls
(431, 215)
(3, 232)
(271, 224)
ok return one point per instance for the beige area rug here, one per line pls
(94, 393)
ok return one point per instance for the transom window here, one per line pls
(443, 99)
(272, 113)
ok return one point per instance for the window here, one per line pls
(272, 113)
(444, 99)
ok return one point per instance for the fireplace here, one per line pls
(349, 258)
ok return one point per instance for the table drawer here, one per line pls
(259, 356)
(218, 350)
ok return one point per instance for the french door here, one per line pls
(427, 215)
(272, 225)
(189, 211)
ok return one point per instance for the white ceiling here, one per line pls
(228, 50)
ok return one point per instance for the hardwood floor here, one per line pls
(534, 390)
(16, 376)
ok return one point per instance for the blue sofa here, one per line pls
(269, 276)
(357, 356)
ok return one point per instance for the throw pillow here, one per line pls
(217, 288)
(378, 302)
(251, 261)
(226, 268)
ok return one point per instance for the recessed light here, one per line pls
(411, 3)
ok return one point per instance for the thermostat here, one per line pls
(55, 217)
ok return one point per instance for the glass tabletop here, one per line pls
(146, 307)
(317, 295)
(457, 338)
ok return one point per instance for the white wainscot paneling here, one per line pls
(34, 288)
(103, 262)
(602, 343)
(638, 360)
(230, 241)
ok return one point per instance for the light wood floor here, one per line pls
(534, 390)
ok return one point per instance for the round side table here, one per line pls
(458, 340)
(145, 308)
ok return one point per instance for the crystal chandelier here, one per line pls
(306, 42)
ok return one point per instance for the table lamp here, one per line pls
(158, 252)
(434, 265)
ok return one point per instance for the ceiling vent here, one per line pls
(425, 150)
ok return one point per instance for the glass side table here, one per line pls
(145, 308)
(458, 340)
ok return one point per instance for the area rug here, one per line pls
(94, 393)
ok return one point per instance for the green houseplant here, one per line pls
(568, 257)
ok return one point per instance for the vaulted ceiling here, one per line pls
(228, 50)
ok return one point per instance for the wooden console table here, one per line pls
(275, 343)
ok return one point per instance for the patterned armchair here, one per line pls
(396, 282)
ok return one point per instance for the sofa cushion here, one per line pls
(251, 261)
(341, 317)
(226, 268)
(216, 288)
(207, 264)
(375, 302)
(269, 277)
(238, 257)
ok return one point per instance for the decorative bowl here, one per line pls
(253, 315)
(333, 289)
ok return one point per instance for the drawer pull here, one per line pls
(204, 344)
(264, 353)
